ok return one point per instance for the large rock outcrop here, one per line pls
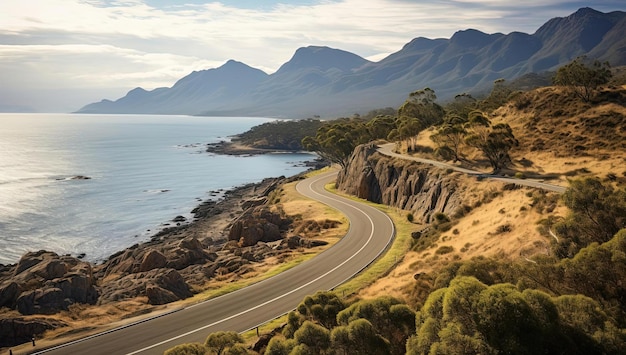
(422, 189)
(159, 285)
(174, 254)
(44, 282)
(259, 224)
(21, 330)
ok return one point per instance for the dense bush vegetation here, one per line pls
(281, 134)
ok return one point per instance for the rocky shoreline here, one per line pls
(225, 239)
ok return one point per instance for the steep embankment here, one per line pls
(411, 186)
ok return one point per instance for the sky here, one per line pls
(59, 55)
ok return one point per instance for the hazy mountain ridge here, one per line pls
(331, 82)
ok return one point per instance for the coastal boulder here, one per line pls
(152, 260)
(138, 284)
(189, 251)
(77, 287)
(254, 202)
(43, 264)
(122, 263)
(295, 242)
(58, 295)
(46, 283)
(47, 300)
(15, 331)
(9, 291)
(259, 224)
(158, 295)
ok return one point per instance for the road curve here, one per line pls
(387, 149)
(370, 233)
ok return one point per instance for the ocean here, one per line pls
(96, 184)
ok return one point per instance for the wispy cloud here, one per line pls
(123, 44)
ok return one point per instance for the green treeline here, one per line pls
(281, 134)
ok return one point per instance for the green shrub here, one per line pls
(462, 211)
(441, 217)
(504, 228)
(446, 249)
(187, 349)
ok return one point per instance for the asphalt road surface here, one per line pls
(370, 233)
(387, 149)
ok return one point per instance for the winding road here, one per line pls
(387, 149)
(370, 233)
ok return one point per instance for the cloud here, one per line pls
(124, 44)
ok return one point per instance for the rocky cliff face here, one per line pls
(422, 189)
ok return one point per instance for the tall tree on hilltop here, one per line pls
(336, 140)
(461, 105)
(583, 76)
(418, 112)
(499, 96)
(494, 141)
(450, 137)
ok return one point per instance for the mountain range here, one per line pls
(327, 82)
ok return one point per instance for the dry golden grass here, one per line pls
(306, 210)
(562, 137)
(479, 233)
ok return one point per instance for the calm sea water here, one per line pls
(144, 170)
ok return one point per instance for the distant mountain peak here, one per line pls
(421, 43)
(585, 11)
(138, 91)
(234, 63)
(323, 58)
(472, 38)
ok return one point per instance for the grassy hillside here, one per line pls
(560, 138)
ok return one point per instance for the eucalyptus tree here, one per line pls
(335, 141)
(450, 137)
(495, 142)
(417, 113)
(583, 76)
